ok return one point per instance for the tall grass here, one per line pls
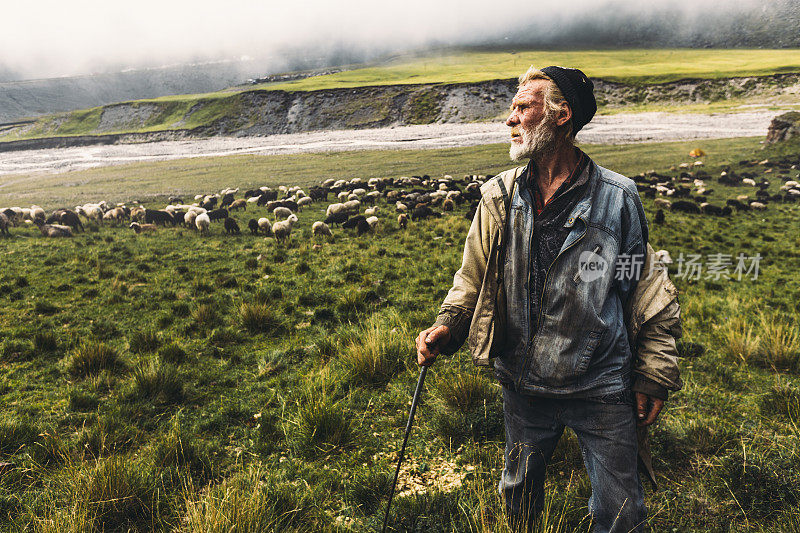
(249, 502)
(780, 343)
(376, 352)
(90, 358)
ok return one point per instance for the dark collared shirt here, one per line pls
(549, 232)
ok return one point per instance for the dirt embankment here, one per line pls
(262, 113)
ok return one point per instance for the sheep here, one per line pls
(373, 222)
(304, 201)
(402, 220)
(282, 212)
(264, 225)
(238, 204)
(686, 207)
(335, 209)
(231, 227)
(202, 222)
(252, 225)
(659, 219)
(371, 211)
(54, 230)
(152, 216)
(354, 221)
(138, 228)
(448, 205)
(758, 206)
(401, 207)
(283, 230)
(218, 214)
(748, 181)
(336, 218)
(189, 218)
(662, 203)
(352, 206)
(320, 229)
(4, 225)
(37, 212)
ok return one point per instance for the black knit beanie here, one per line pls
(578, 90)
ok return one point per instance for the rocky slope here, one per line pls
(262, 112)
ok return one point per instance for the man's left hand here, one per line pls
(647, 409)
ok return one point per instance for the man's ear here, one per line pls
(564, 114)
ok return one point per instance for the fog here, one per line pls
(48, 38)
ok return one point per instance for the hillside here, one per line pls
(454, 88)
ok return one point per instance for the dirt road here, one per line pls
(611, 129)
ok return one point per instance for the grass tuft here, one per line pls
(258, 318)
(157, 382)
(89, 358)
(144, 341)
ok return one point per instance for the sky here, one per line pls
(48, 38)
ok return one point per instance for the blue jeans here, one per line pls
(606, 431)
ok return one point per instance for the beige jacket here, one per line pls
(475, 305)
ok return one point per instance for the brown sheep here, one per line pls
(53, 230)
(138, 228)
(402, 220)
(238, 204)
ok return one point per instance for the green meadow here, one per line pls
(178, 382)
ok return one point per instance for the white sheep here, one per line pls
(662, 203)
(283, 230)
(304, 201)
(401, 207)
(371, 211)
(335, 209)
(282, 212)
(202, 222)
(342, 195)
(373, 222)
(264, 226)
(352, 206)
(189, 218)
(748, 181)
(320, 229)
(758, 206)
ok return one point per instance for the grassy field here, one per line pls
(625, 66)
(175, 382)
(159, 180)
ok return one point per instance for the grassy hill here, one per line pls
(174, 382)
(405, 91)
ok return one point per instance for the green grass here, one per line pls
(626, 66)
(211, 423)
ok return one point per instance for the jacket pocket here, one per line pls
(592, 340)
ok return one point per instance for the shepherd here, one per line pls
(560, 292)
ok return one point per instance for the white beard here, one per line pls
(534, 143)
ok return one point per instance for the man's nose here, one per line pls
(512, 119)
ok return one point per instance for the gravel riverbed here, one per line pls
(604, 129)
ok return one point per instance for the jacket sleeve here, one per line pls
(633, 247)
(656, 363)
(459, 304)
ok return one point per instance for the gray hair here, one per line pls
(553, 98)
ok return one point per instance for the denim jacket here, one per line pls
(577, 344)
(475, 306)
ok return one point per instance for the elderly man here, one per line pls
(557, 292)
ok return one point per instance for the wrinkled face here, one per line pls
(532, 124)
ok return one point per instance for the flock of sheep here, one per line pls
(411, 197)
(688, 192)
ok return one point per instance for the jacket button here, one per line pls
(570, 221)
